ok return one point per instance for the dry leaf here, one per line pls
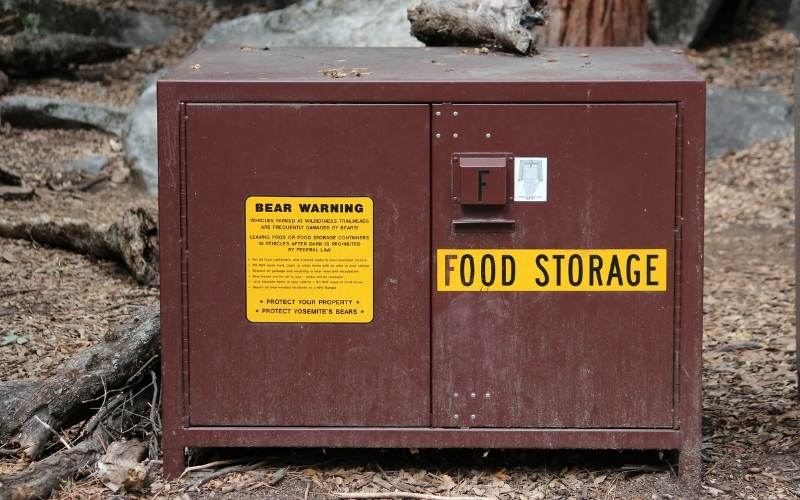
(120, 469)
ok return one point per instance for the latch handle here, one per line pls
(484, 225)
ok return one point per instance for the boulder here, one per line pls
(139, 29)
(45, 112)
(738, 118)
(318, 23)
(309, 23)
(681, 22)
(140, 141)
(91, 164)
(793, 19)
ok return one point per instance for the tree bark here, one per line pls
(505, 23)
(42, 478)
(12, 395)
(132, 241)
(84, 378)
(595, 22)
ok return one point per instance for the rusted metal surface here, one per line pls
(416, 437)
(480, 180)
(243, 373)
(591, 370)
(797, 210)
(435, 64)
(559, 359)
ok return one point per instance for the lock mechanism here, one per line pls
(481, 179)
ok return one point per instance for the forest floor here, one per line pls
(54, 303)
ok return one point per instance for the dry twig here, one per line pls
(402, 494)
(224, 472)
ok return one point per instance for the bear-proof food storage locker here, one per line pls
(421, 247)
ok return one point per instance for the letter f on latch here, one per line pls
(481, 183)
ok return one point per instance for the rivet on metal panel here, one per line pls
(455, 113)
(455, 135)
(488, 135)
(473, 417)
(473, 395)
(438, 113)
(438, 135)
(455, 394)
(488, 395)
(455, 417)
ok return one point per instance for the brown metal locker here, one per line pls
(490, 251)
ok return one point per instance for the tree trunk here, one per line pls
(582, 23)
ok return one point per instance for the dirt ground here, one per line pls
(54, 303)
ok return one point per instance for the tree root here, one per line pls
(132, 241)
(28, 54)
(42, 478)
(88, 377)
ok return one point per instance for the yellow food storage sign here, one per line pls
(309, 259)
(551, 270)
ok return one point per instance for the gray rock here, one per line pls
(140, 141)
(681, 22)
(738, 118)
(306, 24)
(45, 112)
(318, 23)
(91, 164)
(793, 19)
(139, 29)
(264, 4)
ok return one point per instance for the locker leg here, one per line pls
(174, 459)
(690, 466)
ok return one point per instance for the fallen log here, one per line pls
(505, 23)
(29, 54)
(132, 241)
(84, 379)
(13, 393)
(42, 478)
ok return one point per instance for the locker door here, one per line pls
(573, 359)
(251, 367)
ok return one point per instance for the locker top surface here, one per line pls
(435, 64)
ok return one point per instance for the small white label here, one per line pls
(530, 179)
